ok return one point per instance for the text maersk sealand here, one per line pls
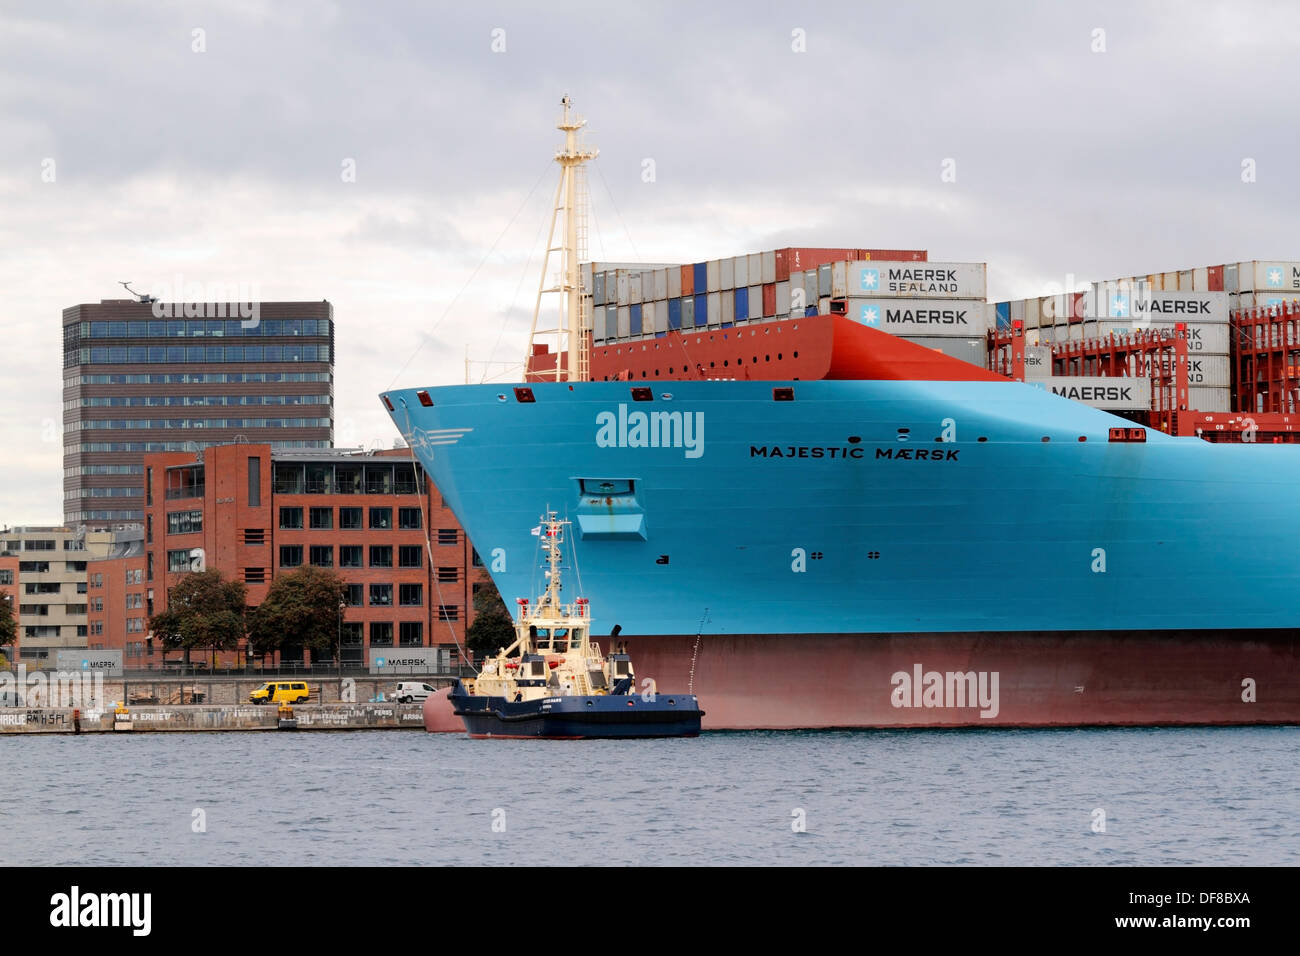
(1077, 580)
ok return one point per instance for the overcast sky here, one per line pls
(1087, 139)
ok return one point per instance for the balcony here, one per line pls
(190, 491)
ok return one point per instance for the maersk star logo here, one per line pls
(1119, 306)
(380, 662)
(1274, 278)
(870, 315)
(870, 280)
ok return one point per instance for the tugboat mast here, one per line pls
(569, 337)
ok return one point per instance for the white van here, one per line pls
(412, 692)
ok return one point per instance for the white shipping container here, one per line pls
(728, 306)
(838, 290)
(1121, 392)
(661, 316)
(1120, 304)
(674, 283)
(624, 321)
(741, 267)
(755, 293)
(1268, 276)
(598, 324)
(1185, 281)
(824, 280)
(1264, 300)
(1210, 338)
(782, 298)
(928, 280)
(1017, 310)
(634, 281)
(1231, 278)
(1201, 279)
(715, 308)
(767, 261)
(1038, 361)
(798, 301)
(585, 276)
(754, 266)
(824, 305)
(1209, 399)
(712, 276)
(924, 317)
(812, 285)
(726, 273)
(624, 288)
(661, 283)
(974, 351)
(1203, 370)
(1169, 281)
(1033, 318)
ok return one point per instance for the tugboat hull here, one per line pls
(618, 717)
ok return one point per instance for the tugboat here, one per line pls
(553, 681)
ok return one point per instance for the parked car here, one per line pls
(281, 692)
(413, 692)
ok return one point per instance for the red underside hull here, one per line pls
(1043, 680)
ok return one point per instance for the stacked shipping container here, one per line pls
(637, 301)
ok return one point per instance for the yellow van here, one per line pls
(280, 692)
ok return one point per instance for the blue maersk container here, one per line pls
(674, 314)
(702, 309)
(634, 316)
(701, 277)
(1004, 315)
(742, 304)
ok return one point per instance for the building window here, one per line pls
(6, 577)
(352, 633)
(410, 595)
(350, 556)
(410, 556)
(290, 555)
(322, 555)
(350, 519)
(322, 519)
(353, 596)
(347, 480)
(184, 522)
(148, 529)
(254, 482)
(379, 480)
(254, 536)
(449, 612)
(148, 563)
(290, 519)
(148, 486)
(381, 556)
(476, 560)
(254, 575)
(381, 595)
(75, 565)
(411, 634)
(409, 519)
(449, 575)
(381, 634)
(178, 560)
(381, 519)
(448, 536)
(289, 479)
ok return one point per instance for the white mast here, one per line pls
(568, 339)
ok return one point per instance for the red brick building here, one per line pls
(254, 513)
(118, 604)
(9, 592)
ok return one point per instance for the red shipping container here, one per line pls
(1076, 306)
(769, 300)
(688, 279)
(801, 259)
(1216, 278)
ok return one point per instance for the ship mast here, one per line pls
(569, 336)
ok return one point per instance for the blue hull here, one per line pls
(616, 717)
(842, 511)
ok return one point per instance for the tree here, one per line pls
(301, 610)
(493, 628)
(204, 610)
(8, 625)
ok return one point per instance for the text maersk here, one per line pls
(926, 316)
(854, 453)
(1094, 393)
